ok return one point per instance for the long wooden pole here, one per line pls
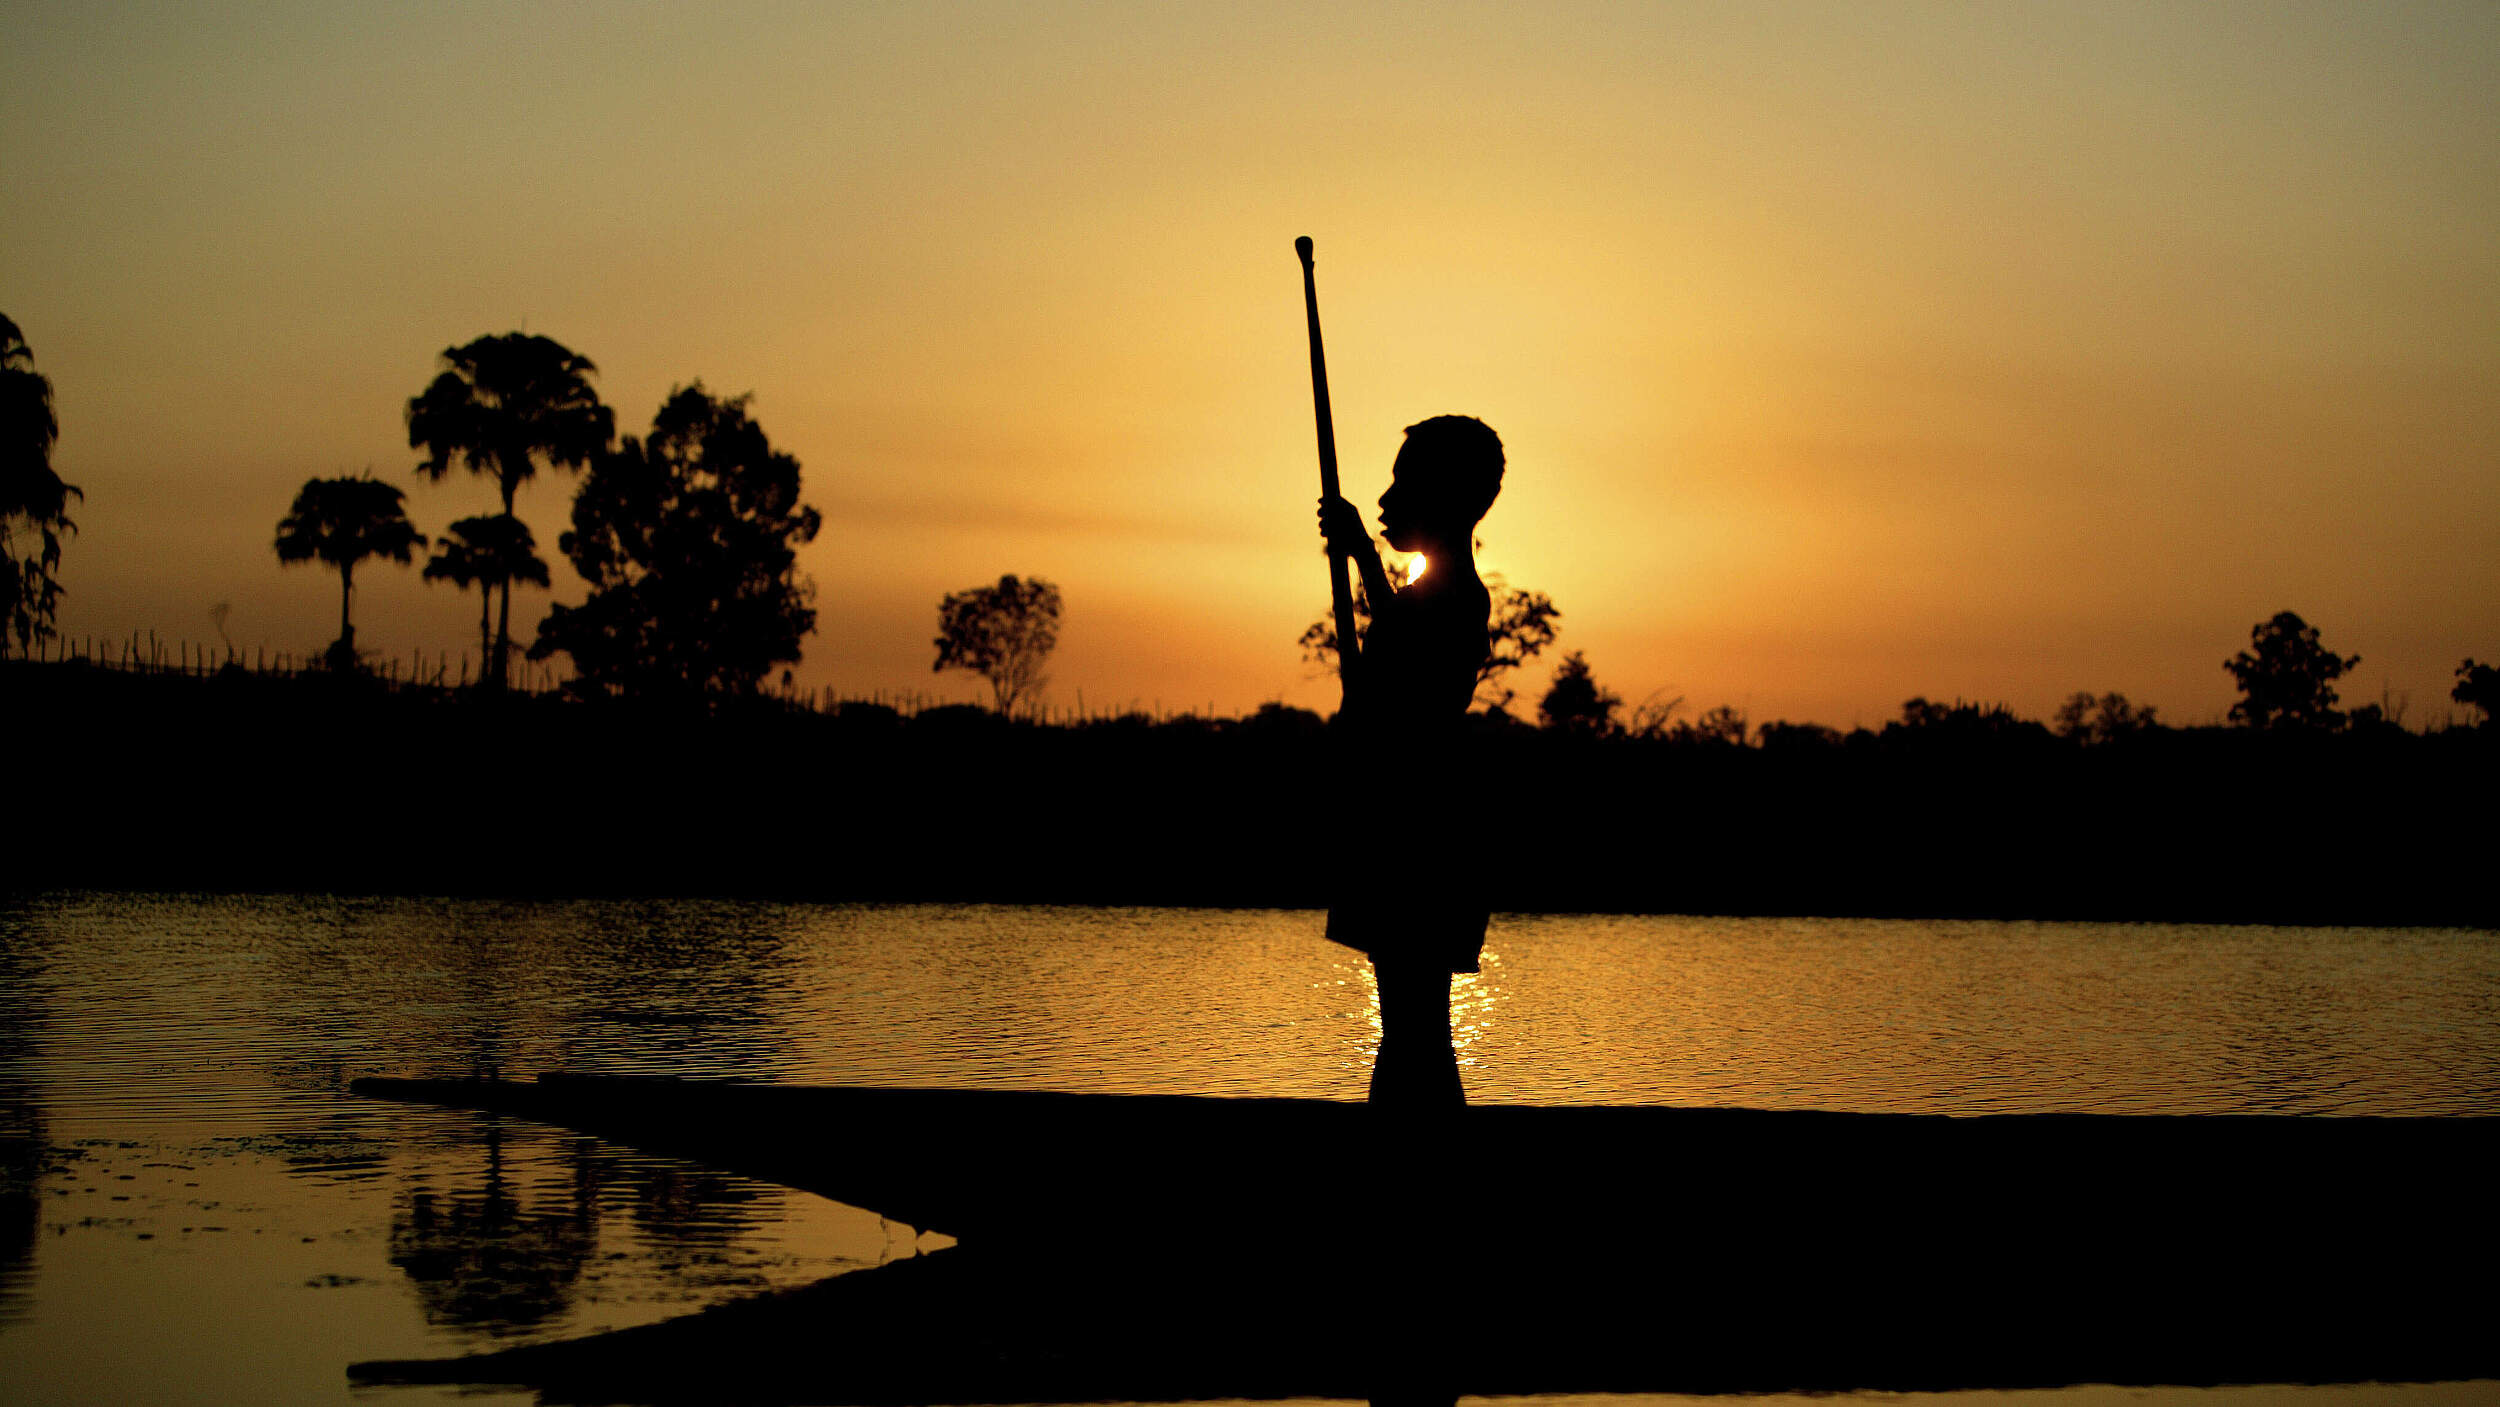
(1340, 589)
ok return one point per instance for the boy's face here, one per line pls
(1406, 509)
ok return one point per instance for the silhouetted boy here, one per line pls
(1414, 904)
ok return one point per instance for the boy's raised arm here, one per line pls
(1342, 526)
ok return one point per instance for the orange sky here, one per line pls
(1844, 353)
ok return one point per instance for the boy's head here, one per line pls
(1447, 475)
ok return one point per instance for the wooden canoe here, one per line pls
(1163, 1247)
(1003, 1166)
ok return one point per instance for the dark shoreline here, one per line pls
(252, 784)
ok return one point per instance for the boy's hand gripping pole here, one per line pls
(1340, 589)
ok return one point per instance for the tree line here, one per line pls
(2286, 680)
(687, 537)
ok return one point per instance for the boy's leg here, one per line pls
(1417, 1067)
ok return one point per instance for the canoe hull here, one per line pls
(1156, 1248)
(1001, 1167)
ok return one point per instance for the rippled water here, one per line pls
(194, 1210)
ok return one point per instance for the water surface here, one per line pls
(193, 1210)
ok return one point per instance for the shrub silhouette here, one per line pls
(1575, 704)
(2091, 718)
(2478, 688)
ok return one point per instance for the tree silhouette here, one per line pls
(1002, 633)
(487, 552)
(33, 500)
(342, 522)
(689, 539)
(1523, 623)
(500, 405)
(2478, 688)
(1575, 704)
(2287, 679)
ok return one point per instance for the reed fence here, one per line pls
(145, 652)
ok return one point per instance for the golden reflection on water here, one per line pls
(1356, 973)
(1474, 996)
(1474, 999)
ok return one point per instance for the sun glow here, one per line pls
(1414, 569)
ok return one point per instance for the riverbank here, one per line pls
(245, 783)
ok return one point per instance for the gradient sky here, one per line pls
(1844, 353)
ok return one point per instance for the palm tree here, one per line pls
(500, 405)
(342, 522)
(487, 552)
(32, 497)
